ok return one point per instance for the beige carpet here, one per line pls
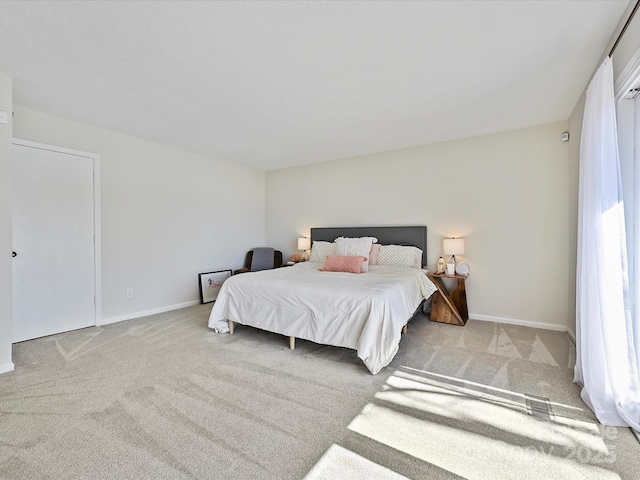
(165, 397)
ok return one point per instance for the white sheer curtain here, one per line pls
(606, 363)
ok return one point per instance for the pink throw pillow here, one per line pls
(339, 263)
(373, 254)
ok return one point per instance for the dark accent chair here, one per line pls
(277, 262)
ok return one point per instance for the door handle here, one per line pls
(14, 254)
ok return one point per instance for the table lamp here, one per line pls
(304, 244)
(453, 247)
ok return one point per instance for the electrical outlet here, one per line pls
(129, 292)
(3, 116)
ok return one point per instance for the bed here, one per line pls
(365, 312)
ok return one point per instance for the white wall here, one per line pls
(167, 214)
(5, 227)
(575, 129)
(505, 193)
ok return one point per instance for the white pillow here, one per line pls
(373, 254)
(356, 247)
(320, 251)
(400, 256)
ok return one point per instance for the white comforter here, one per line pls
(365, 312)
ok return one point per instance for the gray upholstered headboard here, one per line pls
(415, 236)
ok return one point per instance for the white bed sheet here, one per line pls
(365, 312)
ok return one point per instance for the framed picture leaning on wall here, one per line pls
(210, 284)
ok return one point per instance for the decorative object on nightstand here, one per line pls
(449, 307)
(304, 244)
(453, 247)
(440, 267)
(462, 269)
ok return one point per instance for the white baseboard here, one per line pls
(516, 321)
(572, 335)
(7, 367)
(146, 313)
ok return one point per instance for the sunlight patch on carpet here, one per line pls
(470, 433)
(339, 463)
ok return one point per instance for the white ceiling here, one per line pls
(278, 84)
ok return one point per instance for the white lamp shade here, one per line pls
(304, 243)
(453, 246)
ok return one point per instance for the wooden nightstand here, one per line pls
(449, 307)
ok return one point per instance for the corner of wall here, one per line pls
(6, 136)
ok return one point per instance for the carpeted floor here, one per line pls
(165, 397)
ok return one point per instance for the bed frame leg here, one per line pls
(292, 343)
(404, 330)
(230, 327)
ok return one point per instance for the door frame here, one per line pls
(97, 221)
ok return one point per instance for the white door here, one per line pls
(53, 237)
